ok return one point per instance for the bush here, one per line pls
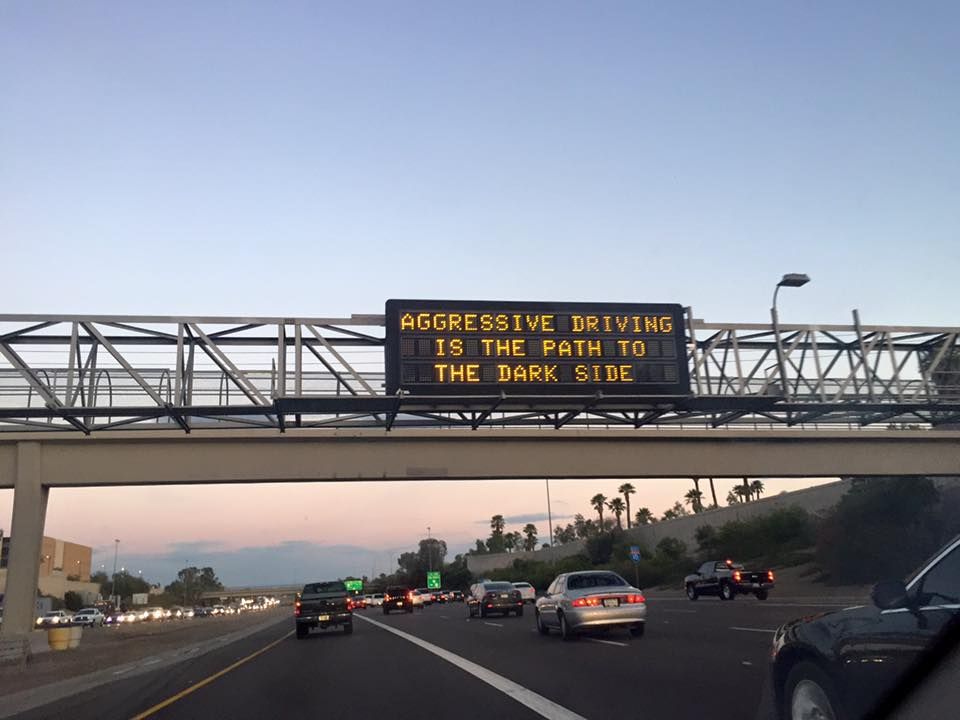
(775, 537)
(73, 601)
(600, 548)
(882, 528)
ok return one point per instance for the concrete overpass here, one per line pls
(32, 463)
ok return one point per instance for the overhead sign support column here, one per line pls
(26, 539)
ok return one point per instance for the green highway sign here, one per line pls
(433, 581)
(354, 585)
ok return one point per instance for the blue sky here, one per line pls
(304, 158)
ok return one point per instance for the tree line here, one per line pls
(583, 528)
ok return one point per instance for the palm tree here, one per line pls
(733, 497)
(598, 501)
(508, 542)
(748, 492)
(743, 493)
(643, 516)
(694, 498)
(580, 526)
(713, 491)
(530, 539)
(497, 524)
(757, 487)
(627, 490)
(617, 507)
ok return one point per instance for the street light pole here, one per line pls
(113, 582)
(788, 280)
(429, 551)
(549, 512)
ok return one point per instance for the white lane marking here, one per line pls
(746, 629)
(121, 671)
(492, 624)
(444, 617)
(746, 663)
(607, 642)
(537, 703)
(151, 662)
(687, 612)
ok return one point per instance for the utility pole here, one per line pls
(186, 580)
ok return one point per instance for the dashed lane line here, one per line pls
(746, 629)
(537, 703)
(608, 642)
(492, 624)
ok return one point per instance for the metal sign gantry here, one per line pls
(99, 373)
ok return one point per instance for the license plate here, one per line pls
(611, 602)
(504, 595)
(323, 618)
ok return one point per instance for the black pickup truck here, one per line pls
(728, 579)
(323, 605)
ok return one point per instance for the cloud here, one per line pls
(196, 547)
(524, 518)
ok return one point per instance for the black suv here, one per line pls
(397, 597)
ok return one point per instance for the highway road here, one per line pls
(702, 659)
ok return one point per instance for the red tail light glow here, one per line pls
(587, 602)
(296, 608)
(633, 599)
(770, 575)
(736, 575)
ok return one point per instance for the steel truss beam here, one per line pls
(329, 372)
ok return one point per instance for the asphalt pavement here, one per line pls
(697, 659)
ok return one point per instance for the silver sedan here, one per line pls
(591, 600)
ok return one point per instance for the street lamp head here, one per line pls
(794, 280)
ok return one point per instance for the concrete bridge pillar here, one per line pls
(26, 540)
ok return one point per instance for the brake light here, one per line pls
(736, 575)
(296, 608)
(770, 575)
(349, 604)
(587, 602)
(634, 599)
(410, 595)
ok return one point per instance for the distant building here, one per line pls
(57, 557)
(63, 566)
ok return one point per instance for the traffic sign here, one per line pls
(433, 581)
(635, 553)
(354, 585)
(535, 348)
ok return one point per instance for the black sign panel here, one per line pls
(440, 347)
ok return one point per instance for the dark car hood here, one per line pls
(824, 630)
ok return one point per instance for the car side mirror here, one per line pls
(889, 594)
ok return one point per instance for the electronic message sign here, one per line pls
(443, 347)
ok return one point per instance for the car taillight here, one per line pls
(634, 599)
(736, 575)
(587, 602)
(296, 608)
(770, 575)
(410, 596)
